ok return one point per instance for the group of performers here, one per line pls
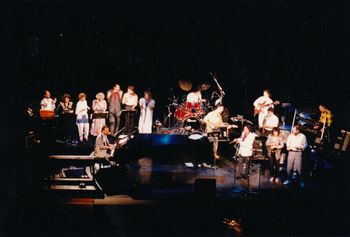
(102, 111)
(118, 102)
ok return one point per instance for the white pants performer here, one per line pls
(294, 161)
(83, 126)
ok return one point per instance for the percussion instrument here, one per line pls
(47, 114)
(185, 85)
(204, 87)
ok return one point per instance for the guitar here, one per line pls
(260, 106)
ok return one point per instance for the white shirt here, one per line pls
(246, 146)
(296, 141)
(81, 108)
(261, 100)
(194, 97)
(213, 120)
(47, 104)
(129, 99)
(271, 122)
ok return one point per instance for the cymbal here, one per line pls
(204, 87)
(185, 85)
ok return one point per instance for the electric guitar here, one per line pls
(260, 106)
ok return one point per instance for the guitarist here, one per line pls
(261, 106)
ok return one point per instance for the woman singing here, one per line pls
(66, 113)
(82, 120)
(274, 145)
(130, 101)
(146, 113)
(99, 106)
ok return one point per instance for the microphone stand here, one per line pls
(222, 92)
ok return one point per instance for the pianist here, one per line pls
(102, 145)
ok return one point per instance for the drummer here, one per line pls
(195, 96)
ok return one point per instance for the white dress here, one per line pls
(146, 116)
(98, 123)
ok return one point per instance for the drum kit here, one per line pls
(187, 114)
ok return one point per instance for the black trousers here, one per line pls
(243, 165)
(274, 165)
(129, 121)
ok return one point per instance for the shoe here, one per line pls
(277, 180)
(271, 179)
(286, 182)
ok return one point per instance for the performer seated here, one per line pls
(146, 113)
(102, 144)
(245, 151)
(82, 119)
(274, 145)
(213, 120)
(47, 105)
(270, 121)
(262, 104)
(99, 106)
(195, 96)
(130, 101)
(296, 144)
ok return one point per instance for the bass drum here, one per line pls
(180, 113)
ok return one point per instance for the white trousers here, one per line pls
(294, 161)
(262, 115)
(83, 129)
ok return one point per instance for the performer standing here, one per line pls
(130, 101)
(245, 151)
(261, 106)
(66, 112)
(82, 120)
(274, 145)
(213, 120)
(146, 113)
(114, 97)
(47, 103)
(99, 106)
(296, 144)
(326, 118)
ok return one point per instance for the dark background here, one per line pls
(300, 50)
